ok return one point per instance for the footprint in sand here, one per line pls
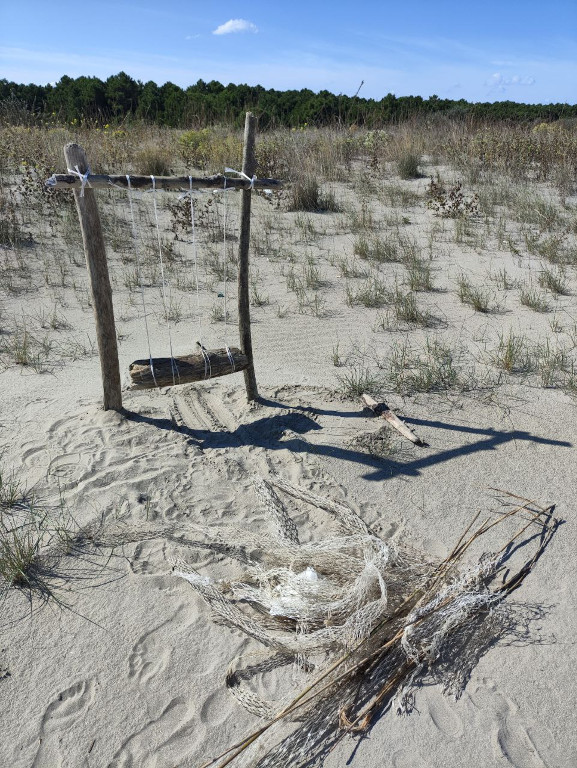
(67, 469)
(63, 713)
(163, 742)
(444, 715)
(216, 707)
(149, 559)
(148, 658)
(511, 739)
(408, 758)
(151, 653)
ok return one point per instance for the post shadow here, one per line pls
(270, 433)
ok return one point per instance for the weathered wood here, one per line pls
(99, 181)
(383, 410)
(185, 369)
(99, 282)
(248, 168)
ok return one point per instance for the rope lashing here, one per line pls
(82, 176)
(242, 175)
(230, 358)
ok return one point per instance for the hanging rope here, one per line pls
(139, 272)
(204, 353)
(225, 268)
(173, 365)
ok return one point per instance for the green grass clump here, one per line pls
(513, 354)
(478, 298)
(554, 281)
(430, 369)
(408, 164)
(306, 195)
(536, 301)
(358, 380)
(153, 161)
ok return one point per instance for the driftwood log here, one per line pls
(186, 368)
(383, 410)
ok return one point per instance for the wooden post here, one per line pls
(248, 168)
(99, 282)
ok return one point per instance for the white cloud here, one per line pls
(501, 83)
(235, 25)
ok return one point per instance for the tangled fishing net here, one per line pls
(357, 620)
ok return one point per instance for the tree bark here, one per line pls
(99, 282)
(248, 168)
(185, 369)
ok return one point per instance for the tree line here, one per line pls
(120, 98)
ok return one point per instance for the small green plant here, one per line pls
(404, 309)
(217, 313)
(376, 248)
(536, 301)
(554, 281)
(408, 164)
(513, 354)
(358, 380)
(553, 365)
(503, 280)
(153, 161)
(350, 268)
(258, 299)
(305, 195)
(419, 275)
(430, 369)
(18, 553)
(371, 293)
(477, 298)
(336, 357)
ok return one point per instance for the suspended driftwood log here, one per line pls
(383, 410)
(103, 181)
(166, 371)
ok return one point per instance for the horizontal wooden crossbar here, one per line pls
(186, 368)
(100, 181)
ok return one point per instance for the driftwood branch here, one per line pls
(248, 169)
(186, 368)
(383, 410)
(100, 288)
(102, 181)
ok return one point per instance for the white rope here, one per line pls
(225, 216)
(242, 175)
(82, 176)
(195, 258)
(206, 358)
(139, 270)
(173, 365)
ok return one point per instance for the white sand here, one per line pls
(132, 673)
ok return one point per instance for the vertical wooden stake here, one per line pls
(248, 167)
(99, 282)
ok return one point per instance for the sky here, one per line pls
(490, 50)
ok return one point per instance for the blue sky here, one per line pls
(522, 50)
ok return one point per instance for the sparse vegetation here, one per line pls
(478, 298)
